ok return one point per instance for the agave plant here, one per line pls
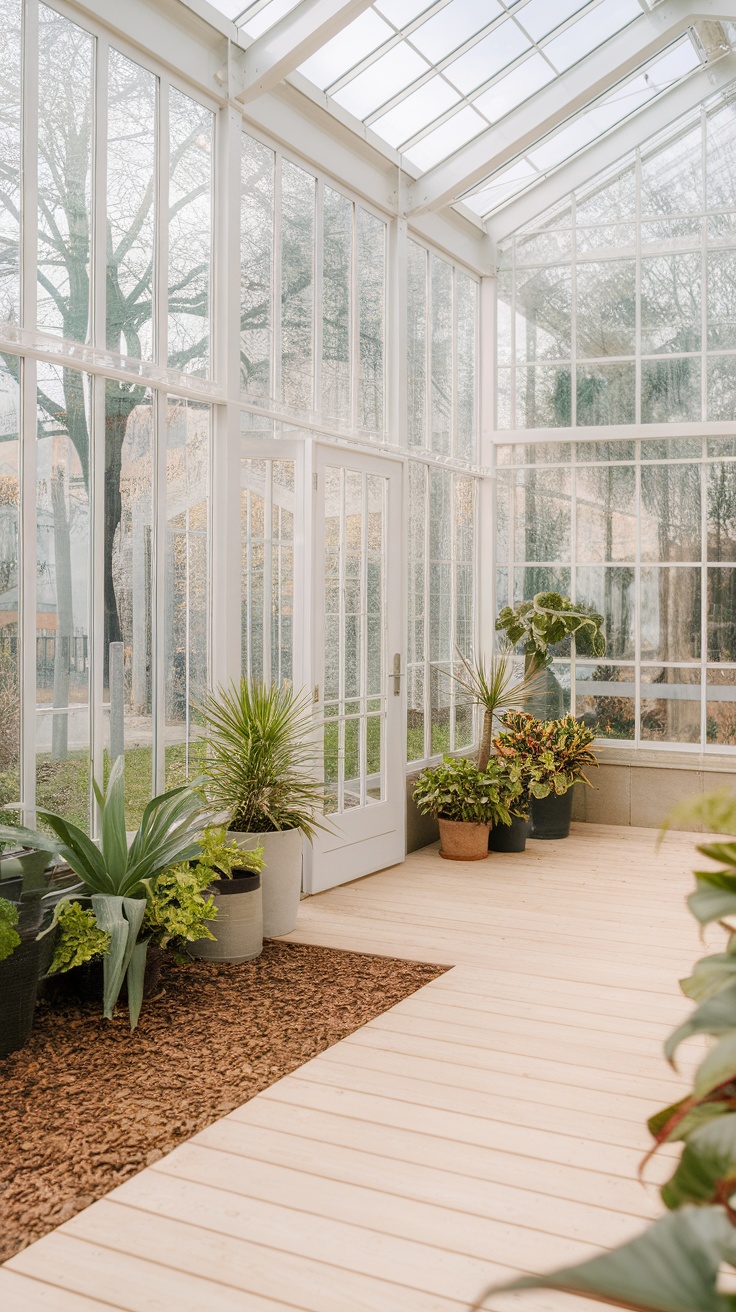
(117, 876)
(261, 765)
(677, 1264)
(494, 686)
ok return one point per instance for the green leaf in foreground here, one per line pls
(672, 1267)
(707, 1164)
(716, 1016)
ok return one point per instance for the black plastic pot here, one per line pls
(551, 815)
(509, 838)
(19, 976)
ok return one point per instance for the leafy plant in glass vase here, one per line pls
(116, 877)
(543, 622)
(262, 771)
(466, 801)
(552, 756)
(682, 1262)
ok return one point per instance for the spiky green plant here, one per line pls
(115, 875)
(262, 759)
(494, 686)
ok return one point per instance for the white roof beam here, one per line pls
(293, 39)
(571, 92)
(604, 153)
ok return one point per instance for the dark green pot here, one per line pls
(551, 815)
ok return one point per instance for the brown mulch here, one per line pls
(87, 1104)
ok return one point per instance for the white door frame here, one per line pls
(372, 837)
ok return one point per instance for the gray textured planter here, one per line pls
(238, 929)
(281, 876)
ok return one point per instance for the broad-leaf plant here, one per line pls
(551, 755)
(117, 877)
(547, 619)
(676, 1265)
(456, 789)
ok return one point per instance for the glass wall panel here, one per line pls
(670, 391)
(416, 344)
(298, 190)
(416, 644)
(670, 705)
(544, 504)
(131, 206)
(65, 125)
(256, 267)
(543, 314)
(467, 313)
(128, 666)
(606, 699)
(186, 584)
(606, 513)
(670, 512)
(63, 593)
(720, 708)
(606, 300)
(336, 305)
(721, 511)
(670, 614)
(606, 393)
(267, 508)
(10, 151)
(544, 397)
(440, 607)
(722, 614)
(371, 273)
(191, 144)
(441, 337)
(10, 578)
(464, 510)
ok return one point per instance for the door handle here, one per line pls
(396, 674)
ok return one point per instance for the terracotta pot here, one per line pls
(463, 841)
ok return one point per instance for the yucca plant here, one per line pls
(117, 877)
(262, 757)
(495, 687)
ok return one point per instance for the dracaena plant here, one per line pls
(547, 619)
(676, 1265)
(117, 877)
(552, 755)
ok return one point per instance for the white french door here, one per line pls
(358, 634)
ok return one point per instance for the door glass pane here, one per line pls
(186, 584)
(63, 592)
(354, 686)
(131, 207)
(191, 140)
(128, 583)
(65, 118)
(9, 586)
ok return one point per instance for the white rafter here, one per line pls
(292, 40)
(617, 58)
(599, 155)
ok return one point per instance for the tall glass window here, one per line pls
(10, 151)
(267, 514)
(644, 532)
(256, 268)
(191, 144)
(131, 206)
(618, 306)
(10, 581)
(442, 351)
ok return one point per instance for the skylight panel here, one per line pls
(263, 18)
(416, 111)
(359, 39)
(437, 145)
(401, 12)
(540, 17)
(488, 56)
(453, 25)
(590, 31)
(515, 87)
(508, 183)
(381, 80)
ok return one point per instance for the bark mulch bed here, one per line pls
(88, 1104)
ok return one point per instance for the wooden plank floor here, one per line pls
(490, 1124)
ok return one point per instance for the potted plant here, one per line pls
(261, 771)
(541, 623)
(465, 801)
(115, 877)
(514, 793)
(23, 910)
(552, 756)
(231, 878)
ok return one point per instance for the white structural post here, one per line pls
(117, 700)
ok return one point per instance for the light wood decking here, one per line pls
(490, 1124)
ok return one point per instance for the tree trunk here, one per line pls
(484, 752)
(116, 422)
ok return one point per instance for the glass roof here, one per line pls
(428, 76)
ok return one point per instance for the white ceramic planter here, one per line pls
(238, 929)
(281, 876)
